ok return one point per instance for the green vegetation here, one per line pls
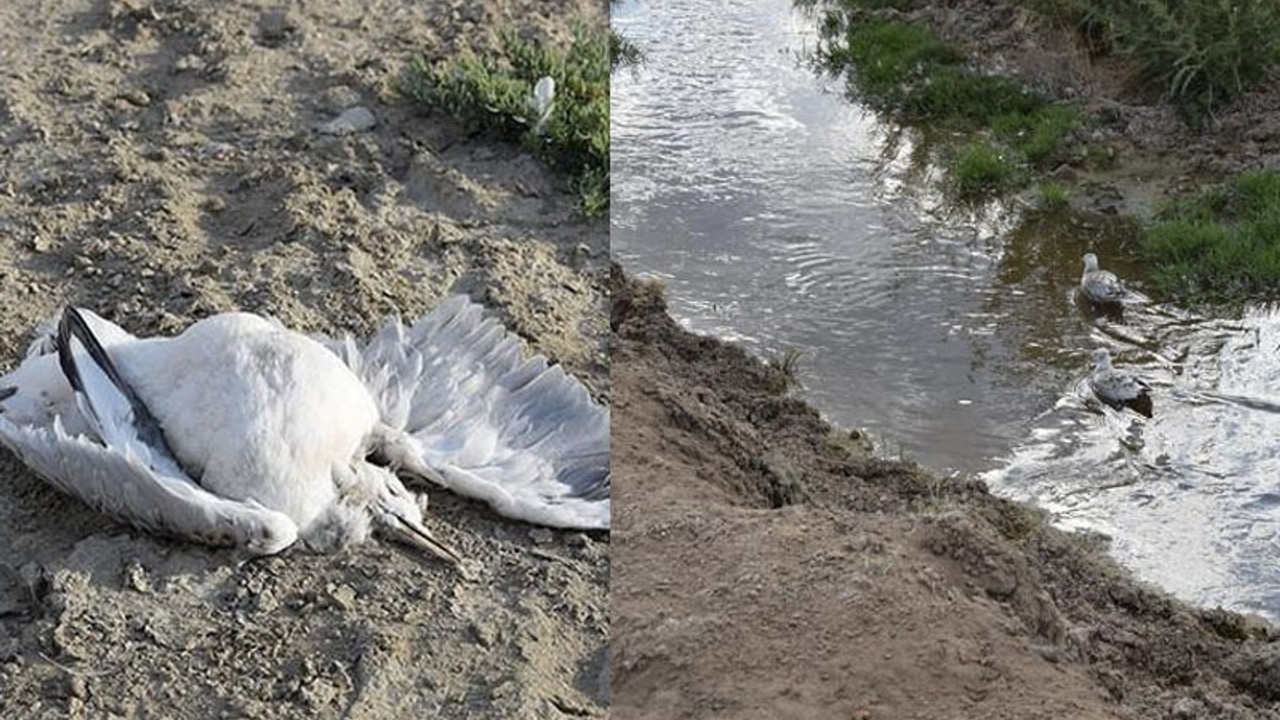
(784, 371)
(904, 70)
(1200, 54)
(492, 93)
(1221, 246)
(1054, 196)
(622, 52)
(980, 169)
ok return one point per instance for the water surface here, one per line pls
(784, 216)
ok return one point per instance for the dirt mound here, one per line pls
(163, 160)
(763, 567)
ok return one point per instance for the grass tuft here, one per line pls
(490, 93)
(979, 170)
(1221, 246)
(784, 370)
(903, 69)
(1201, 54)
(1054, 196)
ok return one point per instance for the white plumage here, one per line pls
(1118, 388)
(241, 432)
(1100, 286)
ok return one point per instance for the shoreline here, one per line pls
(763, 566)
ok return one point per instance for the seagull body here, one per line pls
(1100, 286)
(1117, 388)
(239, 431)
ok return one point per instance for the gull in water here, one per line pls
(1118, 388)
(1100, 286)
(240, 432)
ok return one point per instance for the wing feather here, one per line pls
(519, 434)
(121, 484)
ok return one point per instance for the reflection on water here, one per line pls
(783, 216)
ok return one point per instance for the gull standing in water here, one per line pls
(240, 432)
(1118, 388)
(1100, 286)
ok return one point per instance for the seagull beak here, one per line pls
(418, 536)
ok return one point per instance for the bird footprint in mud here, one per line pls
(240, 432)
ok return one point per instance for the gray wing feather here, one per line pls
(121, 484)
(518, 433)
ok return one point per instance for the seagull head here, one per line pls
(1101, 356)
(1090, 262)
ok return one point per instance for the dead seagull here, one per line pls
(240, 432)
(1117, 388)
(1100, 286)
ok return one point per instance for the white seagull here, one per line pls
(1100, 286)
(1118, 388)
(240, 432)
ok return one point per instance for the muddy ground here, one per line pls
(162, 160)
(765, 566)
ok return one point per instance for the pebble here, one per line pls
(541, 536)
(353, 120)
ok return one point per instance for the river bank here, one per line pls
(764, 566)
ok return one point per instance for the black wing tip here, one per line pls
(71, 323)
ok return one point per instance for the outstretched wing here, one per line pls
(120, 465)
(477, 417)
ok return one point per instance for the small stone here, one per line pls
(541, 536)
(135, 578)
(353, 120)
(276, 27)
(77, 688)
(344, 596)
(41, 244)
(137, 98)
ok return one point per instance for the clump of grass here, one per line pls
(623, 52)
(1222, 246)
(1200, 54)
(784, 371)
(1054, 196)
(905, 70)
(980, 169)
(491, 93)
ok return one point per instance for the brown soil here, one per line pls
(160, 161)
(764, 567)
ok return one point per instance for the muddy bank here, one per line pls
(764, 566)
(161, 161)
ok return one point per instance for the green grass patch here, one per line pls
(1201, 54)
(1220, 246)
(1054, 196)
(904, 70)
(980, 169)
(491, 94)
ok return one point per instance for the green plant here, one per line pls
(1222, 245)
(784, 370)
(1053, 195)
(980, 169)
(1200, 54)
(492, 93)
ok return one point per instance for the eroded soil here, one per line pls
(764, 566)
